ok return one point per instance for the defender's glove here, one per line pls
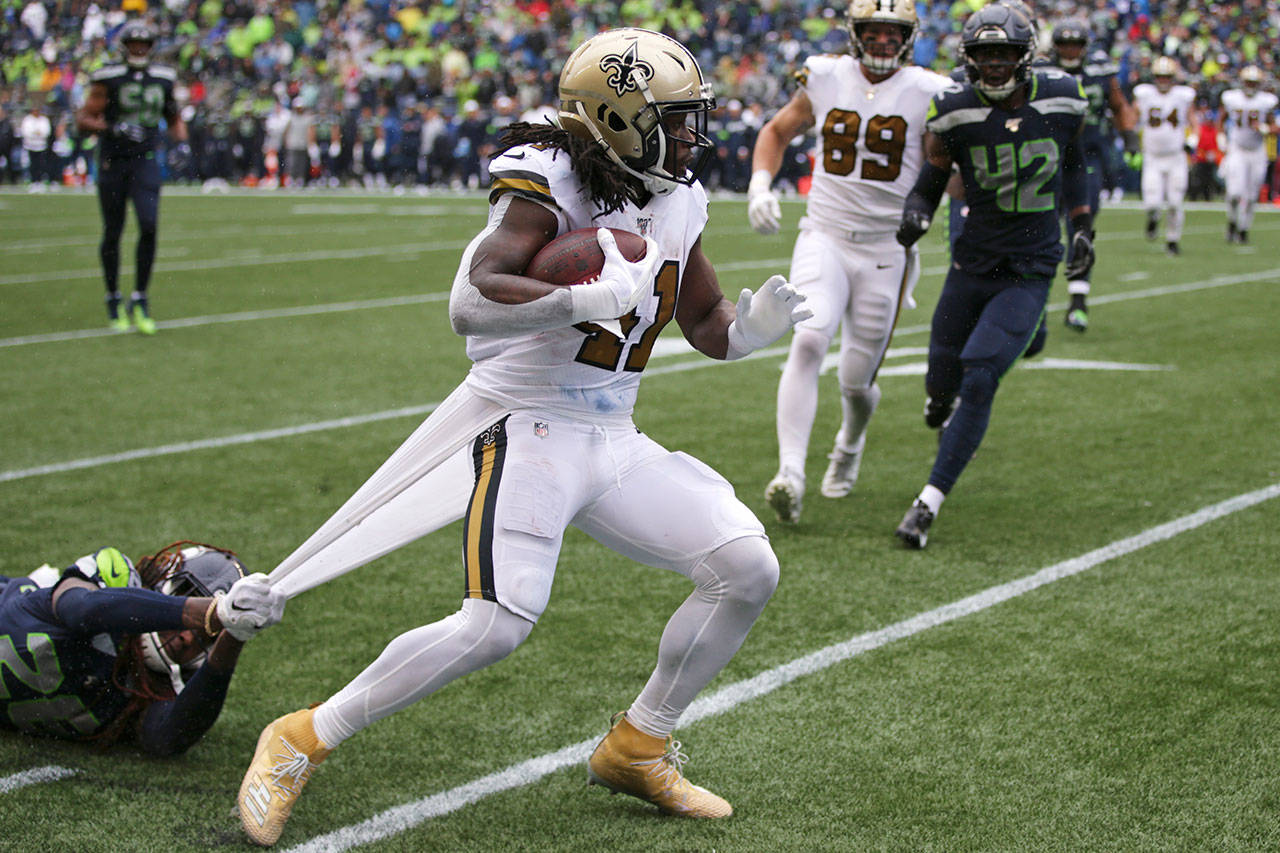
(1133, 159)
(1132, 151)
(913, 226)
(763, 211)
(130, 131)
(621, 285)
(1082, 256)
(765, 316)
(251, 605)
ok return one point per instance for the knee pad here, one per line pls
(808, 348)
(979, 385)
(744, 570)
(490, 629)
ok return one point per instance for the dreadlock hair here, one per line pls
(606, 185)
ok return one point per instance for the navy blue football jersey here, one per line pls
(53, 680)
(138, 96)
(1011, 163)
(1096, 74)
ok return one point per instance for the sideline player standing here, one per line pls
(868, 111)
(1100, 81)
(1165, 113)
(1248, 114)
(554, 393)
(1016, 137)
(124, 107)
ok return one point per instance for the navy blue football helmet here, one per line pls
(1070, 34)
(997, 45)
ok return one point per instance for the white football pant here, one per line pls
(858, 287)
(1164, 186)
(1243, 173)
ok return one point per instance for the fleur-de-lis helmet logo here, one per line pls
(621, 68)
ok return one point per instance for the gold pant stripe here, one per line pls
(487, 453)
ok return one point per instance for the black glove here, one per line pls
(913, 226)
(1082, 256)
(134, 132)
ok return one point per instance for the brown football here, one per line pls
(575, 257)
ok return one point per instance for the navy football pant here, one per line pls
(119, 181)
(980, 327)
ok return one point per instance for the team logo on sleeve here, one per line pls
(621, 69)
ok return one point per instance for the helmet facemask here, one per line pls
(881, 57)
(184, 569)
(995, 70)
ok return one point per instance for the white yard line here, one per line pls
(401, 818)
(354, 420)
(34, 776)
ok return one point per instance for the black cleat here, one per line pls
(937, 413)
(1152, 223)
(1231, 232)
(914, 529)
(1242, 236)
(1172, 248)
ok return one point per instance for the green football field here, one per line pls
(1084, 658)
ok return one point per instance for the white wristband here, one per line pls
(738, 346)
(592, 301)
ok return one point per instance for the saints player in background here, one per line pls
(105, 651)
(1248, 114)
(1099, 78)
(868, 110)
(1016, 135)
(124, 107)
(1166, 114)
(552, 389)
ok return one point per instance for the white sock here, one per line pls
(932, 497)
(733, 585)
(419, 662)
(798, 398)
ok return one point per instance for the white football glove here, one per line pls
(621, 285)
(251, 605)
(765, 316)
(763, 211)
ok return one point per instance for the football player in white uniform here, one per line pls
(1248, 114)
(550, 441)
(868, 109)
(1166, 114)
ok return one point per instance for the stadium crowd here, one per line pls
(397, 93)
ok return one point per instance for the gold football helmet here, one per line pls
(900, 12)
(1251, 78)
(617, 89)
(1164, 71)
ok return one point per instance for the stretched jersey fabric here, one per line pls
(140, 96)
(1011, 163)
(868, 151)
(583, 369)
(1246, 116)
(1096, 74)
(1163, 117)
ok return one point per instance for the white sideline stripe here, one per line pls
(34, 776)
(208, 443)
(401, 818)
(238, 317)
(287, 432)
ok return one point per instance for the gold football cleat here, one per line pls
(287, 753)
(628, 761)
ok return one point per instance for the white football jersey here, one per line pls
(1247, 116)
(1163, 117)
(869, 148)
(583, 369)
